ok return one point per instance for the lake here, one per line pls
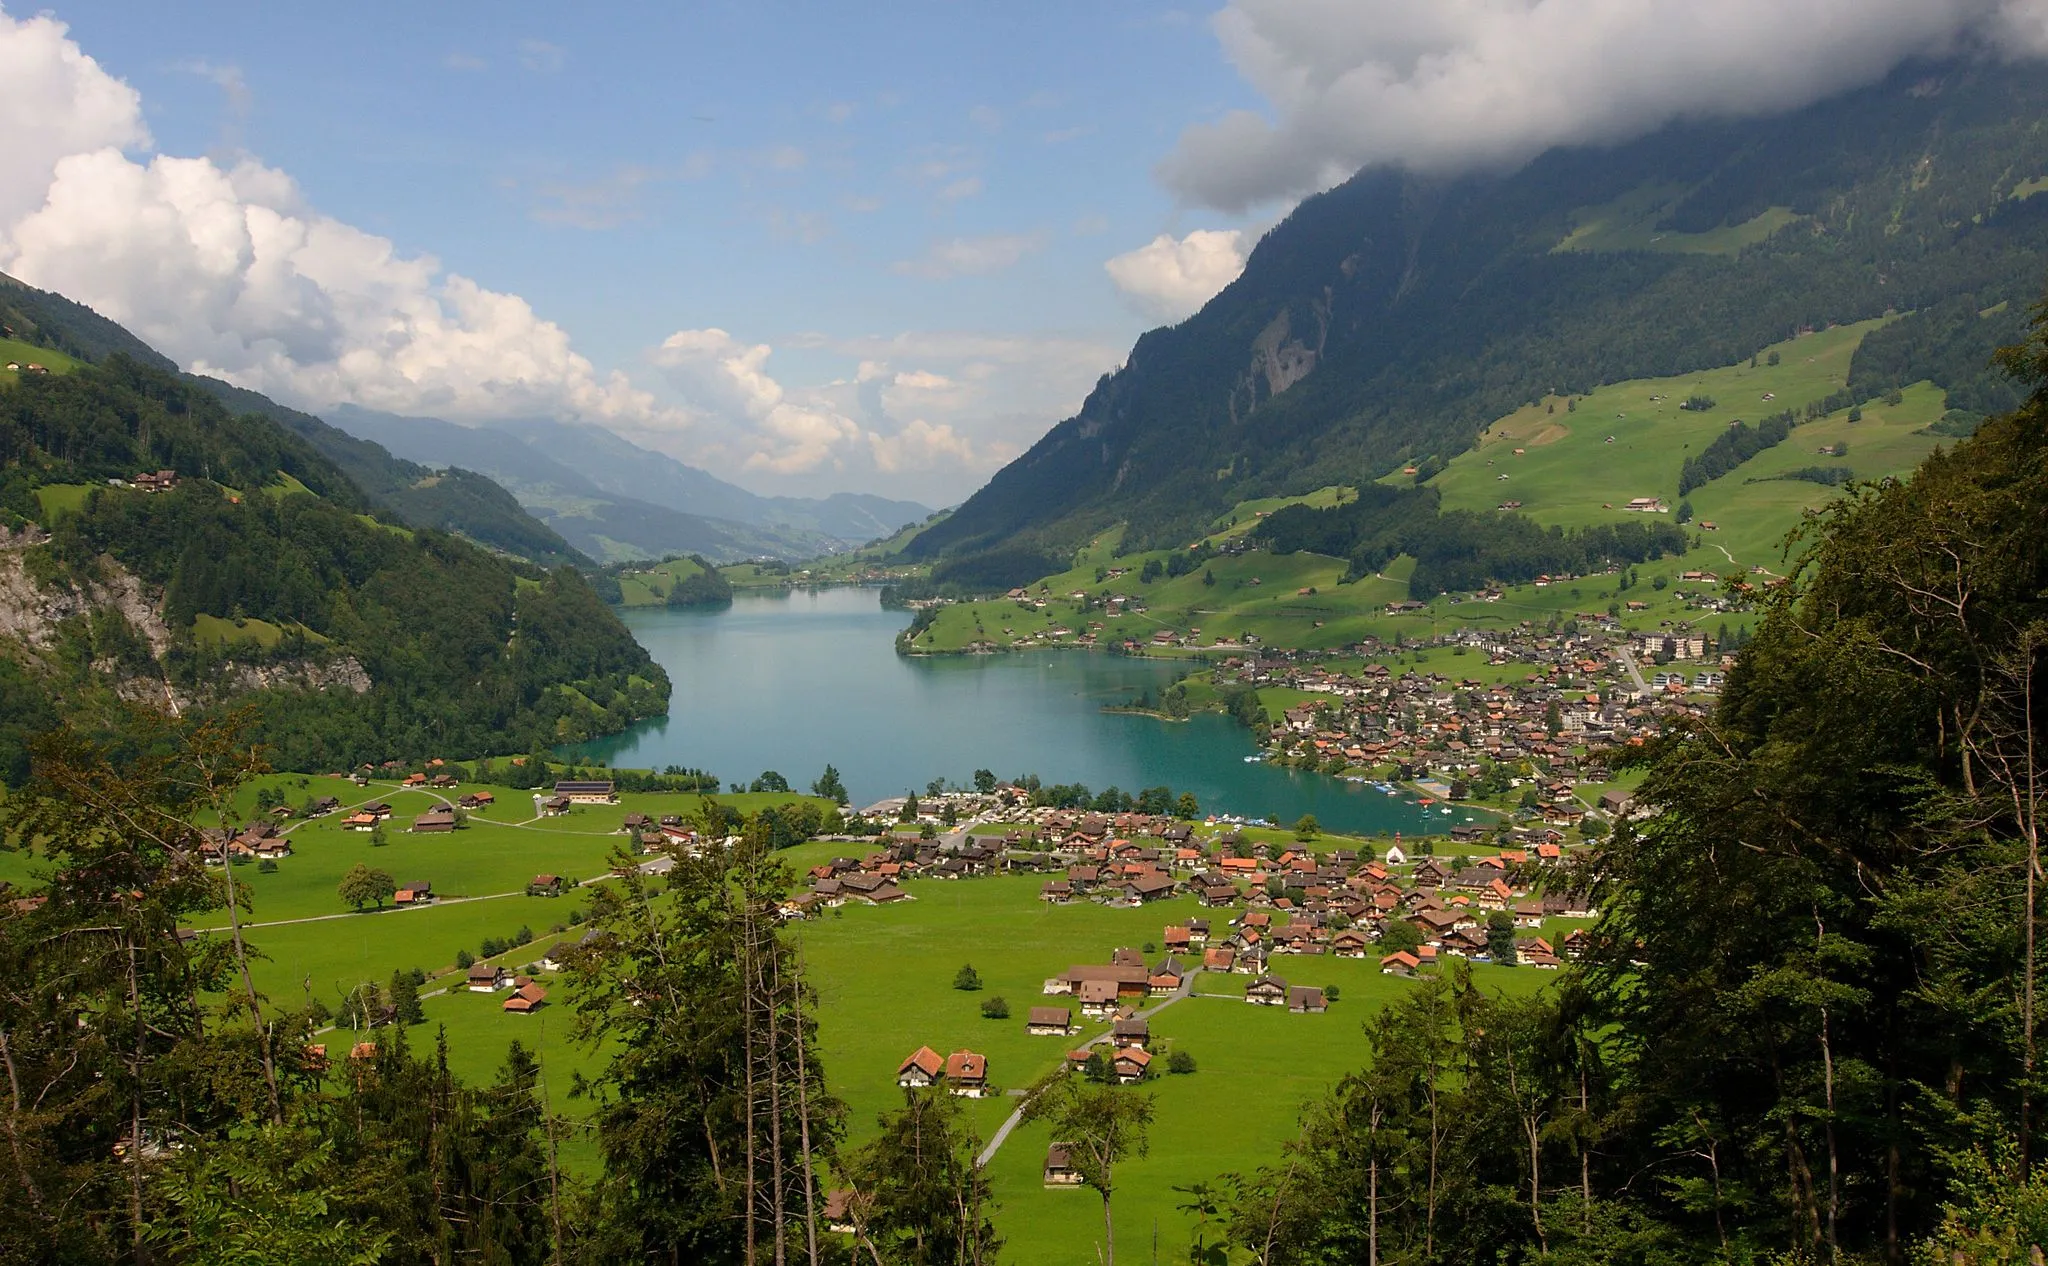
(792, 682)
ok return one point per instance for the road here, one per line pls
(1186, 990)
(1628, 661)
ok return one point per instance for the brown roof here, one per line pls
(924, 1058)
(1050, 1015)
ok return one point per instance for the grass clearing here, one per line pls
(1629, 223)
(58, 500)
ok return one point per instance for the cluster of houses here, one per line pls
(526, 994)
(1578, 697)
(964, 1072)
(259, 840)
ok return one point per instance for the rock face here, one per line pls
(34, 609)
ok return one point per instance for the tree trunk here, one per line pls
(1108, 1234)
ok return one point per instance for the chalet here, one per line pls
(587, 792)
(486, 978)
(414, 780)
(1399, 963)
(922, 1068)
(1165, 980)
(1049, 1022)
(968, 1073)
(1221, 958)
(1059, 892)
(442, 819)
(1266, 991)
(837, 1212)
(525, 998)
(636, 822)
(1098, 997)
(1130, 978)
(1131, 1064)
(273, 847)
(545, 886)
(1151, 886)
(1350, 943)
(323, 806)
(477, 800)
(1059, 1166)
(413, 895)
(1306, 999)
(1131, 1032)
(151, 481)
(359, 822)
(1576, 942)
(552, 806)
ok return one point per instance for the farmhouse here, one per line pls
(526, 997)
(1098, 997)
(1306, 998)
(1131, 1064)
(1059, 1166)
(587, 792)
(477, 800)
(442, 819)
(551, 806)
(544, 886)
(486, 978)
(922, 1068)
(1049, 1022)
(1266, 991)
(1399, 963)
(1131, 1032)
(968, 1073)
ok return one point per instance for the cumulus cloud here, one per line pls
(969, 256)
(224, 268)
(1451, 84)
(59, 103)
(1167, 278)
(885, 420)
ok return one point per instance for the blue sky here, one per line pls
(807, 247)
(798, 176)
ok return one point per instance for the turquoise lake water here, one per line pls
(792, 682)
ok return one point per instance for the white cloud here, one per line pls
(784, 158)
(1168, 279)
(541, 57)
(226, 269)
(730, 381)
(966, 187)
(59, 102)
(969, 256)
(464, 61)
(1449, 84)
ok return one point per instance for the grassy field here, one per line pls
(1629, 223)
(650, 587)
(14, 351)
(884, 977)
(58, 500)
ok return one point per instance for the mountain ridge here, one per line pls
(1388, 320)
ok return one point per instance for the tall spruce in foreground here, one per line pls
(917, 1197)
(1808, 1026)
(712, 1116)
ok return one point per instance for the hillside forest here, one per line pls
(271, 580)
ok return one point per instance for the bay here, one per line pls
(793, 681)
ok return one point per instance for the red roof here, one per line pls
(925, 1059)
(966, 1066)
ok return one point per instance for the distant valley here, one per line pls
(616, 501)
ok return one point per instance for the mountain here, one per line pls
(451, 500)
(1388, 321)
(618, 501)
(260, 573)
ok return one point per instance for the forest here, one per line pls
(465, 652)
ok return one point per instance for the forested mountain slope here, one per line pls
(262, 577)
(452, 500)
(1390, 319)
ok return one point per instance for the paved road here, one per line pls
(1186, 990)
(1628, 661)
